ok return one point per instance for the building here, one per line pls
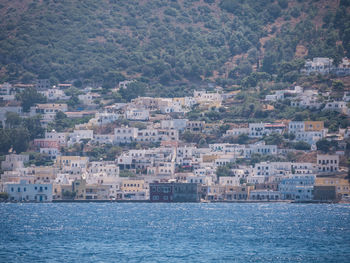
(136, 114)
(297, 187)
(237, 131)
(339, 106)
(307, 131)
(74, 165)
(327, 163)
(125, 134)
(26, 192)
(325, 193)
(229, 180)
(318, 65)
(195, 126)
(48, 111)
(124, 84)
(174, 192)
(342, 186)
(237, 193)
(55, 94)
(14, 161)
(264, 195)
(42, 84)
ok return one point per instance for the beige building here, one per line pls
(342, 186)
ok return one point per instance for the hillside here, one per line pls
(167, 41)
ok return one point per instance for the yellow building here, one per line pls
(72, 164)
(181, 101)
(314, 125)
(130, 185)
(342, 186)
(209, 158)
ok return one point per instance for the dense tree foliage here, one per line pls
(62, 122)
(165, 41)
(30, 97)
(19, 132)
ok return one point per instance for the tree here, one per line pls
(242, 138)
(338, 85)
(20, 138)
(113, 152)
(165, 77)
(223, 171)
(134, 90)
(33, 125)
(30, 97)
(126, 173)
(5, 141)
(274, 139)
(324, 146)
(12, 119)
(302, 146)
(39, 159)
(283, 3)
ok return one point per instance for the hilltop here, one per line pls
(165, 42)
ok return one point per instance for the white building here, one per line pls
(7, 92)
(297, 187)
(13, 162)
(237, 131)
(78, 135)
(27, 192)
(136, 114)
(54, 94)
(318, 65)
(260, 148)
(88, 98)
(200, 179)
(339, 106)
(109, 168)
(60, 137)
(125, 134)
(327, 163)
(178, 124)
(103, 118)
(75, 165)
(104, 138)
(124, 84)
(52, 152)
(229, 181)
(272, 169)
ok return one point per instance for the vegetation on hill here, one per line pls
(168, 41)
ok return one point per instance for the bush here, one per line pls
(302, 146)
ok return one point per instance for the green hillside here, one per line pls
(168, 41)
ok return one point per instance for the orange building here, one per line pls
(314, 125)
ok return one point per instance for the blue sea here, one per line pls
(146, 232)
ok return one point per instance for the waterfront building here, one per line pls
(297, 187)
(174, 192)
(26, 192)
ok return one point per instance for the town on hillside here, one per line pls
(60, 143)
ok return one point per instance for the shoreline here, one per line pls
(203, 202)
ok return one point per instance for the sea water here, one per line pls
(174, 232)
